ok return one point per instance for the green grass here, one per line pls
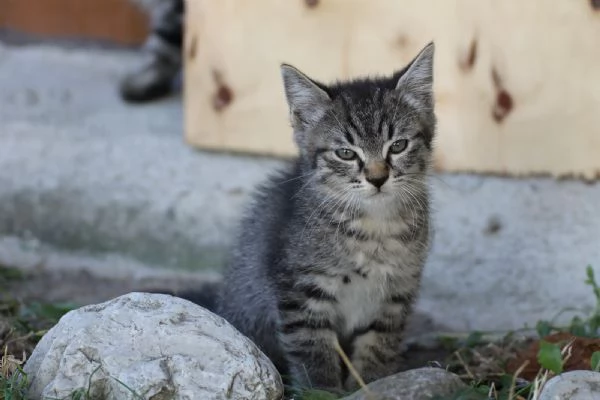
(313, 394)
(21, 327)
(13, 381)
(551, 356)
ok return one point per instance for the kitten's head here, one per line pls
(368, 138)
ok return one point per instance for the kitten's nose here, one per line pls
(377, 173)
(378, 182)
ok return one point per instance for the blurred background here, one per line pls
(131, 134)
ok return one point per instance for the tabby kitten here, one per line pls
(332, 249)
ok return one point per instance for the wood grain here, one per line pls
(517, 82)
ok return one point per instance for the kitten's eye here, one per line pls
(345, 154)
(398, 146)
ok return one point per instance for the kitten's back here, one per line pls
(248, 299)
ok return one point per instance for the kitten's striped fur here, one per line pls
(323, 254)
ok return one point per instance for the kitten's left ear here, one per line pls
(307, 101)
(417, 80)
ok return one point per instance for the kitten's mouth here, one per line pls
(378, 193)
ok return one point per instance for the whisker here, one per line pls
(348, 200)
(296, 178)
(322, 207)
(304, 186)
(328, 198)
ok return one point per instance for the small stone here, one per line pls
(573, 385)
(416, 384)
(154, 345)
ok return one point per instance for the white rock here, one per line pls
(158, 346)
(416, 384)
(572, 385)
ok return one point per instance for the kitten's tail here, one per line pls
(205, 296)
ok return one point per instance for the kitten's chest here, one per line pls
(383, 246)
(377, 269)
(360, 300)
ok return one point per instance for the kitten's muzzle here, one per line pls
(377, 173)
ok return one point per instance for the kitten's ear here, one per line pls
(307, 101)
(417, 80)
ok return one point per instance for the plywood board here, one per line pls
(517, 82)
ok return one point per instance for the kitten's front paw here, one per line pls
(351, 385)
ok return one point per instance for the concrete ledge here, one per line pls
(89, 183)
(82, 171)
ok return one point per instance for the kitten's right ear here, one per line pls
(417, 80)
(307, 101)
